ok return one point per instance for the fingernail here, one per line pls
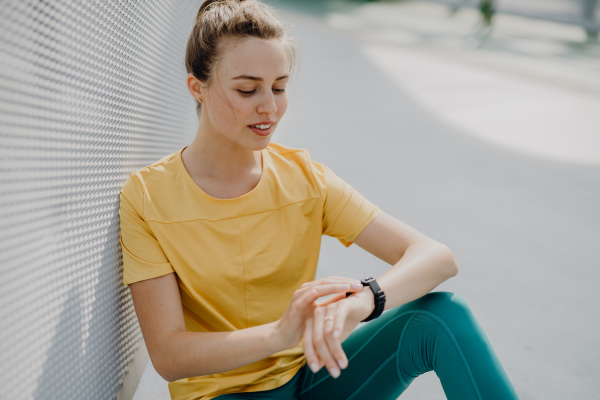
(342, 363)
(357, 285)
(335, 372)
(314, 367)
(336, 334)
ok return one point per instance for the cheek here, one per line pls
(282, 103)
(229, 111)
(242, 106)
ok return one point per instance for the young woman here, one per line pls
(221, 241)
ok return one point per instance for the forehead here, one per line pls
(265, 59)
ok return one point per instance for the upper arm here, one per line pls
(143, 256)
(351, 218)
(388, 238)
(148, 272)
(345, 211)
(159, 311)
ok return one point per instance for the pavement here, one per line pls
(491, 148)
(570, 11)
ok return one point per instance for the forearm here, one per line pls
(187, 354)
(423, 266)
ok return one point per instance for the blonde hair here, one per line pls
(218, 19)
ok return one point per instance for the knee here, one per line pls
(443, 310)
(443, 304)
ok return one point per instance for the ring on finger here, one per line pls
(329, 318)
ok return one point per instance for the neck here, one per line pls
(211, 154)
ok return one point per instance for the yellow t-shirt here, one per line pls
(238, 261)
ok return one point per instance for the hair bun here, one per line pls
(219, 19)
(208, 3)
(205, 4)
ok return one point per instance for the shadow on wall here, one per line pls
(74, 351)
(90, 91)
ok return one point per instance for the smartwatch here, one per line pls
(379, 297)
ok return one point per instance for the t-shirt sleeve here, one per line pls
(143, 257)
(345, 211)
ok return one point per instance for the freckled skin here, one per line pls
(225, 159)
(226, 112)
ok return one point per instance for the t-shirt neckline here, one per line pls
(197, 188)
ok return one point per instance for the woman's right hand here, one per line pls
(290, 328)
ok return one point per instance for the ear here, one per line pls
(195, 87)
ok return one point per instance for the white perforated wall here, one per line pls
(89, 91)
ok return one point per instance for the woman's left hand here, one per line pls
(331, 322)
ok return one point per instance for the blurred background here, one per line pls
(475, 122)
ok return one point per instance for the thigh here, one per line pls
(286, 392)
(435, 332)
(371, 350)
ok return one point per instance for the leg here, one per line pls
(435, 332)
(285, 392)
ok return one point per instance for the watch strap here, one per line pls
(378, 298)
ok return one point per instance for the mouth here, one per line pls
(262, 128)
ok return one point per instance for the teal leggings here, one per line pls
(435, 332)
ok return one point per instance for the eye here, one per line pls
(246, 93)
(279, 90)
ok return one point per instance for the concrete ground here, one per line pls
(492, 149)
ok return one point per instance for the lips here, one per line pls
(258, 129)
(262, 123)
(263, 128)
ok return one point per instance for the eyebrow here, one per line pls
(256, 78)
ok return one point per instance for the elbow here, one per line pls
(449, 266)
(169, 379)
(168, 369)
(166, 356)
(161, 369)
(163, 365)
(165, 372)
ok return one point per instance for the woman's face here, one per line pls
(247, 96)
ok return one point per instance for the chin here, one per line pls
(260, 144)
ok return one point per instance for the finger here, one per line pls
(320, 291)
(332, 280)
(300, 307)
(318, 316)
(320, 344)
(307, 344)
(332, 299)
(355, 286)
(332, 331)
(325, 290)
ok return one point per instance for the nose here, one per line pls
(267, 104)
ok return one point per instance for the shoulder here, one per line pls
(292, 162)
(161, 169)
(284, 152)
(154, 175)
(294, 165)
(296, 156)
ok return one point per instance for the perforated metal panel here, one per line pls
(89, 91)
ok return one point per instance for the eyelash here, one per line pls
(249, 93)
